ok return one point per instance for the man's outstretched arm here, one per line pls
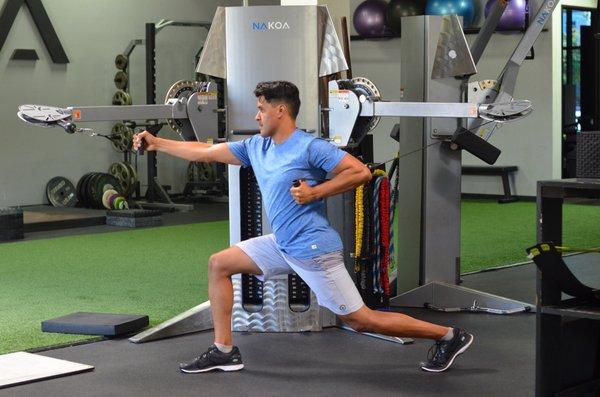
(191, 151)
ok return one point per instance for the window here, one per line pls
(572, 21)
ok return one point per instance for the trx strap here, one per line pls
(547, 258)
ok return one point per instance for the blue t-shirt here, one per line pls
(301, 231)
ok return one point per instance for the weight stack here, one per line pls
(11, 224)
(279, 304)
(588, 154)
(134, 218)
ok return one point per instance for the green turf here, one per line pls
(162, 271)
(159, 272)
(497, 234)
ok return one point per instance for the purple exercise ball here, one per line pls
(514, 14)
(369, 18)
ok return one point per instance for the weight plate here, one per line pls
(200, 172)
(85, 190)
(121, 62)
(182, 89)
(106, 196)
(133, 173)
(97, 187)
(61, 192)
(121, 171)
(119, 203)
(121, 80)
(111, 201)
(88, 190)
(121, 137)
(121, 98)
(132, 179)
(80, 189)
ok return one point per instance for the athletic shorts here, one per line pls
(325, 274)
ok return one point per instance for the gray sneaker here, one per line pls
(214, 360)
(442, 354)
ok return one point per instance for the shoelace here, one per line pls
(436, 351)
(205, 354)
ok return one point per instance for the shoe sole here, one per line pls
(461, 351)
(226, 368)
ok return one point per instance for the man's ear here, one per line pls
(281, 110)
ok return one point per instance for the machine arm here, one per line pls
(487, 30)
(190, 109)
(419, 109)
(133, 112)
(351, 110)
(508, 77)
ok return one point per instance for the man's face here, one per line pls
(269, 116)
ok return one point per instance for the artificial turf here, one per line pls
(497, 234)
(159, 272)
(162, 271)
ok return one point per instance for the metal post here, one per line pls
(151, 99)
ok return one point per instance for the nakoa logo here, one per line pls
(271, 25)
(543, 15)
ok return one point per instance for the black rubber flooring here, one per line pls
(335, 362)
(207, 211)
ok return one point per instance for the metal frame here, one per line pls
(436, 289)
(556, 369)
(156, 196)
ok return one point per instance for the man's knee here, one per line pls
(359, 321)
(217, 265)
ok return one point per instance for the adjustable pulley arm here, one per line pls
(190, 109)
(508, 77)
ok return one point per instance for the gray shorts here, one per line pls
(326, 274)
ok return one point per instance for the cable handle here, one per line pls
(141, 148)
(297, 182)
(153, 129)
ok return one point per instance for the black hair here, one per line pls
(280, 91)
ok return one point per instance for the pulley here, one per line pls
(181, 89)
(366, 90)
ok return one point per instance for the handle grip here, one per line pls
(142, 148)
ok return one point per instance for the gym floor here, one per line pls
(333, 362)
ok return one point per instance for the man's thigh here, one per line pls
(328, 278)
(265, 255)
(235, 261)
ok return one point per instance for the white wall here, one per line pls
(92, 33)
(379, 61)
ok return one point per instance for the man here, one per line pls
(302, 239)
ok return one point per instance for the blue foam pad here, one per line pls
(96, 324)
